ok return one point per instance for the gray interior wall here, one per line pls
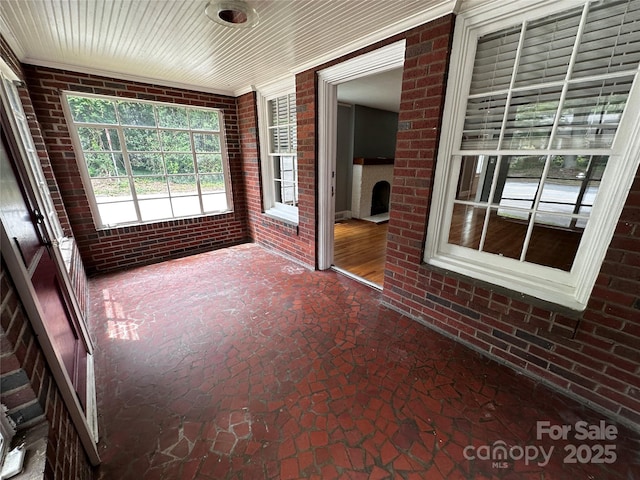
(344, 158)
(374, 132)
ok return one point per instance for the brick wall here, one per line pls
(295, 241)
(30, 392)
(118, 248)
(594, 355)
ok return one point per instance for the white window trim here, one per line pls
(570, 289)
(86, 179)
(265, 93)
(24, 141)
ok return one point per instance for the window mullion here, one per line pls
(505, 119)
(534, 207)
(127, 166)
(166, 181)
(487, 214)
(194, 157)
(565, 86)
(554, 129)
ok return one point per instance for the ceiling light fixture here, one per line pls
(232, 13)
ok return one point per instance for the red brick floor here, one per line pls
(240, 364)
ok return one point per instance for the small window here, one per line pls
(279, 155)
(148, 161)
(536, 149)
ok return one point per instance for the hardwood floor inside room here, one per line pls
(359, 248)
(550, 246)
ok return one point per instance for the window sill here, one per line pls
(117, 226)
(284, 216)
(560, 295)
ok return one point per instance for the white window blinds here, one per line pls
(559, 82)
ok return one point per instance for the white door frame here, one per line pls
(381, 60)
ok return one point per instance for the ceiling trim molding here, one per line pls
(277, 87)
(244, 90)
(123, 76)
(421, 18)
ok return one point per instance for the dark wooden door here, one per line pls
(22, 223)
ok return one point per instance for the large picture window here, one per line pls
(538, 148)
(278, 121)
(146, 161)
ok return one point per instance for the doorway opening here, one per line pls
(364, 94)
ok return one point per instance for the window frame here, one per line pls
(271, 207)
(569, 289)
(86, 178)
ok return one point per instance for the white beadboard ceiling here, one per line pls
(173, 42)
